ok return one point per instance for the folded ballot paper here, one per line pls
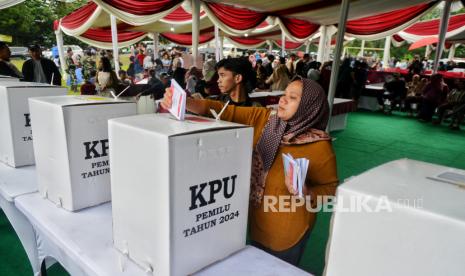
(297, 168)
(178, 99)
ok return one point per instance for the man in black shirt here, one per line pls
(39, 69)
(6, 67)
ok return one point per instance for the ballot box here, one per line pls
(71, 147)
(4, 78)
(180, 190)
(402, 218)
(15, 120)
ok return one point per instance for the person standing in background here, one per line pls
(39, 69)
(6, 67)
(71, 69)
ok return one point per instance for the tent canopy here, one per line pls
(261, 20)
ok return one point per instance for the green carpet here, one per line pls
(371, 139)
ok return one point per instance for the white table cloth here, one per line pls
(421, 234)
(369, 102)
(82, 243)
(15, 183)
(339, 122)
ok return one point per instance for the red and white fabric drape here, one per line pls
(80, 23)
(139, 12)
(385, 24)
(9, 3)
(422, 30)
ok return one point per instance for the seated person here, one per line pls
(433, 95)
(415, 87)
(155, 87)
(123, 77)
(455, 98)
(396, 90)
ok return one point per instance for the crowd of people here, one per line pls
(298, 126)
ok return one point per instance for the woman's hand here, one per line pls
(166, 101)
(288, 182)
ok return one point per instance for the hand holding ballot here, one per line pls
(295, 172)
(174, 100)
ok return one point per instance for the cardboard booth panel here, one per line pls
(191, 182)
(71, 147)
(396, 220)
(4, 78)
(15, 121)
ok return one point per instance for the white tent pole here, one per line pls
(61, 51)
(156, 44)
(442, 34)
(307, 47)
(283, 44)
(337, 57)
(427, 51)
(195, 28)
(221, 48)
(217, 43)
(387, 52)
(452, 52)
(362, 49)
(270, 47)
(330, 31)
(321, 44)
(114, 41)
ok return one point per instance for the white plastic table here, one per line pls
(15, 183)
(82, 243)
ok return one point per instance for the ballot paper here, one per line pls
(178, 100)
(297, 169)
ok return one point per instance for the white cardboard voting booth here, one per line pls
(180, 190)
(71, 147)
(422, 235)
(4, 78)
(15, 120)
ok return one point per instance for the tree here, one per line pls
(32, 21)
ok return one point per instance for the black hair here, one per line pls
(271, 58)
(106, 65)
(306, 56)
(34, 48)
(3, 45)
(241, 66)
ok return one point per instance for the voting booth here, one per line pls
(71, 147)
(4, 78)
(15, 120)
(180, 190)
(411, 221)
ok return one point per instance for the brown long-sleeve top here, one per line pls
(282, 230)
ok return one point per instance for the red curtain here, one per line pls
(186, 39)
(385, 21)
(397, 38)
(431, 27)
(299, 28)
(180, 14)
(147, 7)
(237, 18)
(289, 44)
(263, 25)
(246, 41)
(79, 16)
(104, 35)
